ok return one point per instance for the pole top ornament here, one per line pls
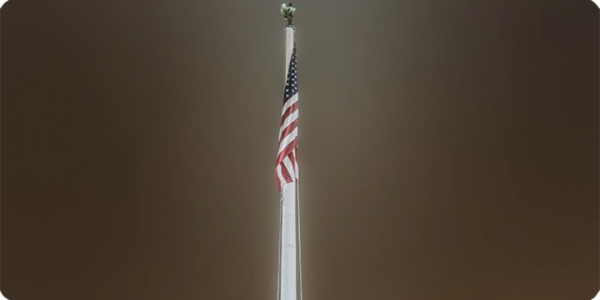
(287, 11)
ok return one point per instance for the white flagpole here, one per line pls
(289, 250)
(299, 240)
(288, 256)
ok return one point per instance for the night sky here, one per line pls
(447, 149)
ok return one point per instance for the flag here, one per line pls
(287, 154)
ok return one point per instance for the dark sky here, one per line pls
(448, 149)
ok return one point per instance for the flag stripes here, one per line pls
(287, 155)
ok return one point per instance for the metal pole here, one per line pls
(288, 262)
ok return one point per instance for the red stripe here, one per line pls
(278, 181)
(286, 151)
(291, 157)
(288, 112)
(288, 130)
(286, 174)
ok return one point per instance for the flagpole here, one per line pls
(299, 239)
(288, 281)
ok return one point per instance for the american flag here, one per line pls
(287, 154)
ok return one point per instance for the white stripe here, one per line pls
(280, 175)
(289, 120)
(288, 139)
(288, 165)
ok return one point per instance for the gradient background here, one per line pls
(448, 149)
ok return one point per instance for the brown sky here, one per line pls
(448, 149)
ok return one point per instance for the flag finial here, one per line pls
(287, 11)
